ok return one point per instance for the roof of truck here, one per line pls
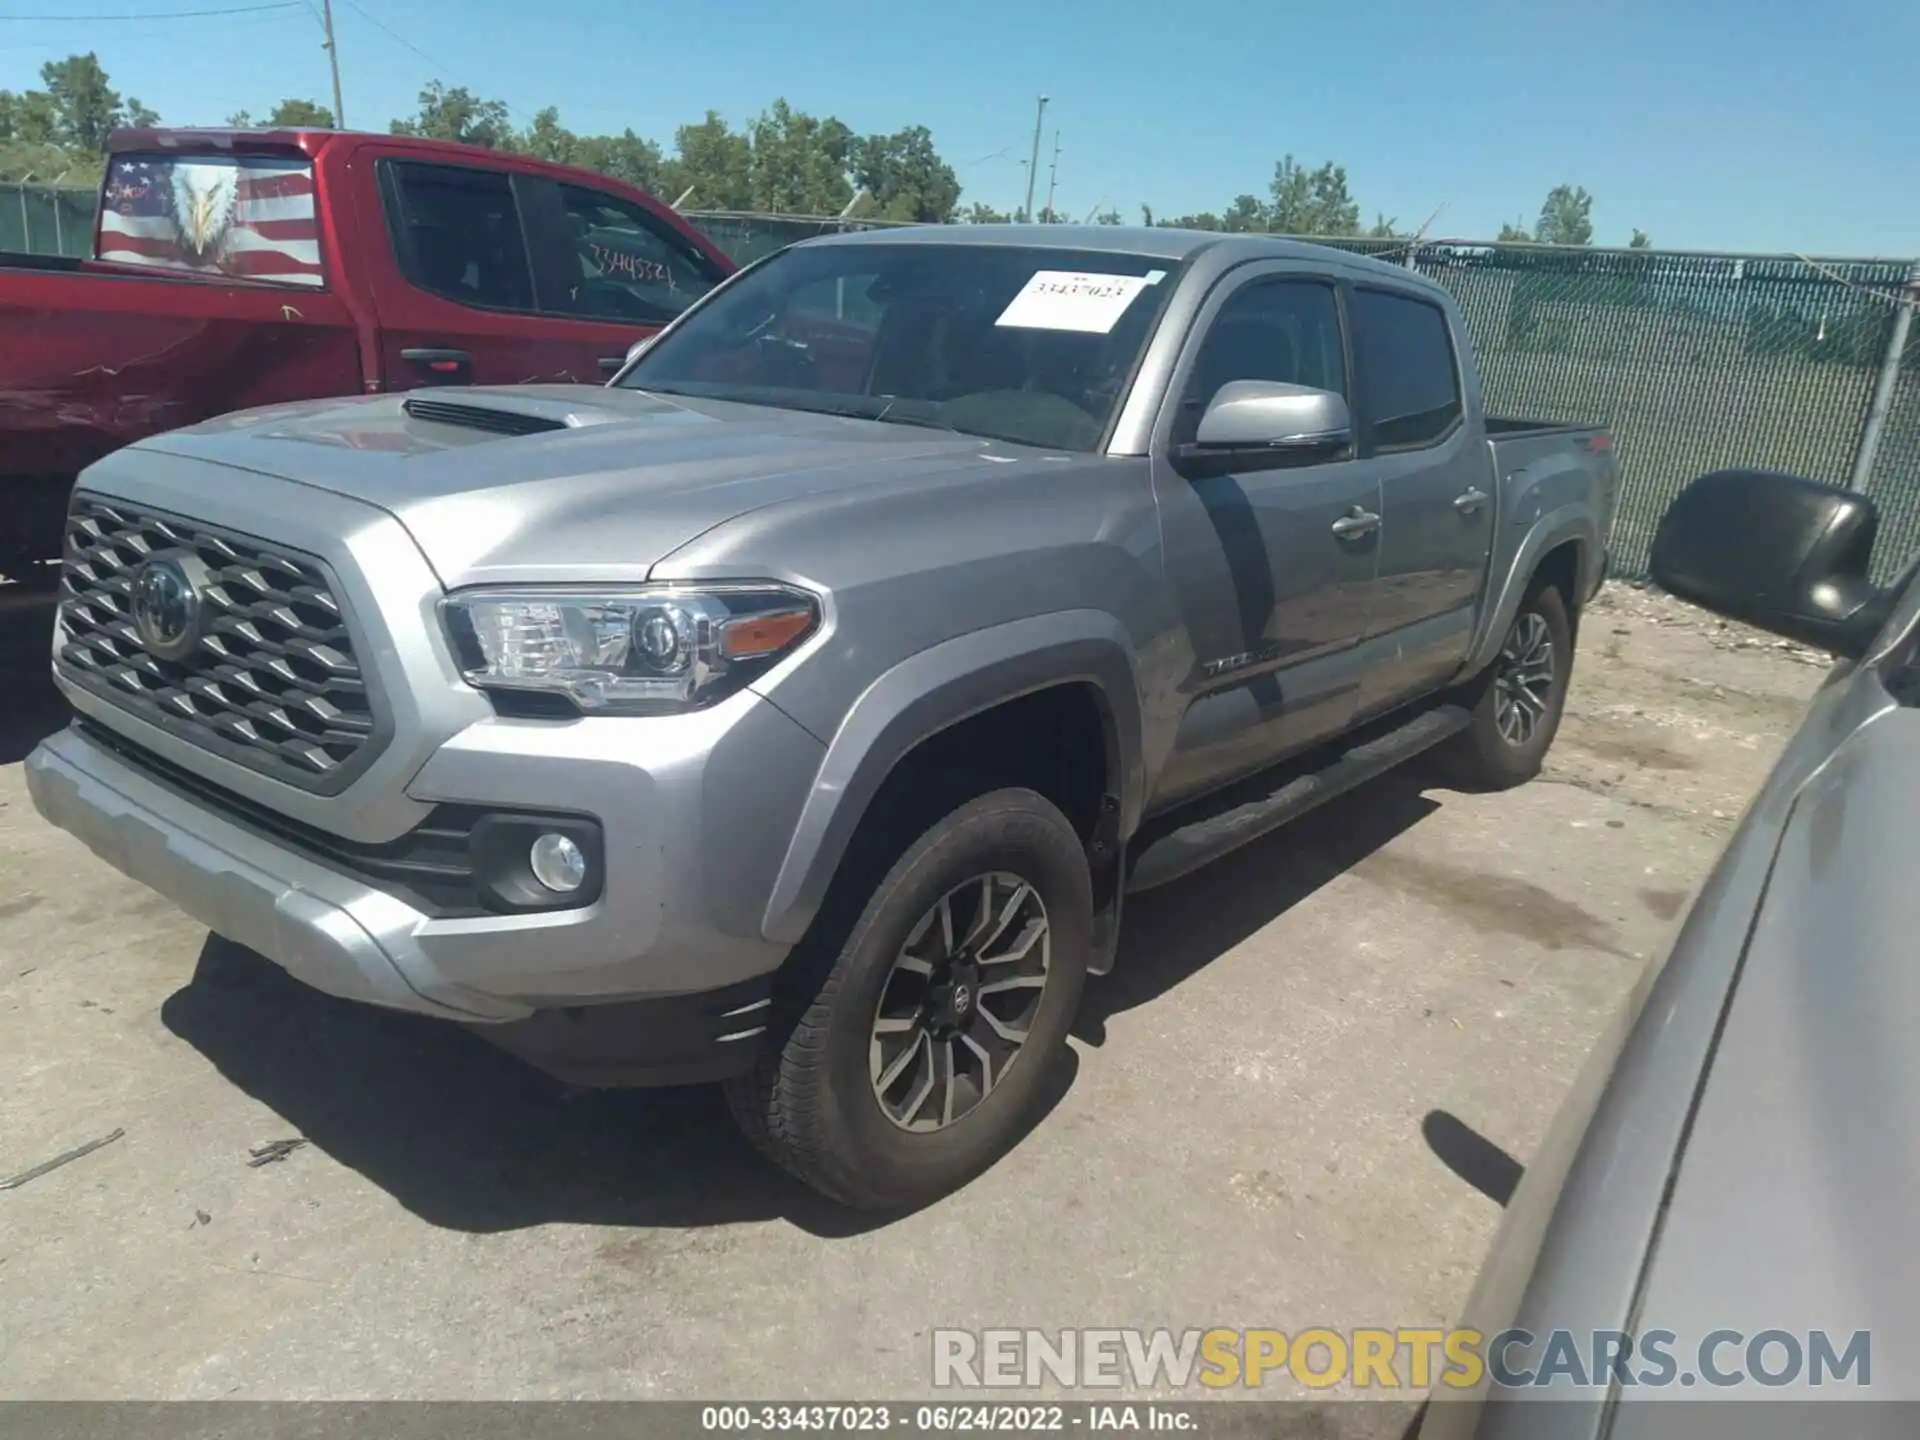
(1154, 242)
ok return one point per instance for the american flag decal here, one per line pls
(248, 219)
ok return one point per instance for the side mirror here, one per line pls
(1786, 554)
(1247, 419)
(1266, 423)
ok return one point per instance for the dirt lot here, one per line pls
(1239, 1138)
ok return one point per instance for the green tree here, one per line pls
(1245, 215)
(27, 117)
(1336, 212)
(1513, 231)
(295, 114)
(905, 175)
(63, 129)
(983, 214)
(1107, 217)
(1383, 228)
(625, 156)
(1566, 217)
(548, 139)
(85, 107)
(1311, 202)
(287, 115)
(458, 114)
(28, 159)
(800, 161)
(713, 160)
(1639, 241)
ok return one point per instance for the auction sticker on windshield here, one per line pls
(1074, 300)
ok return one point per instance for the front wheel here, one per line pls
(908, 1059)
(1519, 700)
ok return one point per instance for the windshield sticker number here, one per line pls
(1070, 300)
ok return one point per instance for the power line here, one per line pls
(168, 14)
(395, 35)
(402, 40)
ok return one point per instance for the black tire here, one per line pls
(1490, 754)
(812, 1103)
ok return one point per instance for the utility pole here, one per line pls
(1885, 383)
(1053, 173)
(1033, 165)
(333, 59)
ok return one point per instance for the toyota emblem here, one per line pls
(166, 608)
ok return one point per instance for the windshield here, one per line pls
(1032, 345)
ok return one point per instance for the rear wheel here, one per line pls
(1518, 701)
(912, 1048)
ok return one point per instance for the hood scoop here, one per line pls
(480, 417)
(503, 414)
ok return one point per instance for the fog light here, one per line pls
(558, 863)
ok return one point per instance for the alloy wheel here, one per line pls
(957, 1005)
(1523, 679)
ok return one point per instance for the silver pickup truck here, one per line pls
(797, 710)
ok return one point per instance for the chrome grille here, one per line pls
(273, 682)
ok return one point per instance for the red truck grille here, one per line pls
(234, 645)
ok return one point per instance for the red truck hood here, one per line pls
(619, 480)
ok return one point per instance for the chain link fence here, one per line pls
(1695, 361)
(749, 237)
(47, 220)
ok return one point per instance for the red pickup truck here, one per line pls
(235, 268)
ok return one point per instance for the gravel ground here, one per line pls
(1239, 1137)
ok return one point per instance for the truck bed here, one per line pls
(1552, 464)
(1501, 427)
(92, 358)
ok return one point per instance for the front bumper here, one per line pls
(337, 933)
(691, 809)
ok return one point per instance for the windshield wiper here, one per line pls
(925, 422)
(909, 417)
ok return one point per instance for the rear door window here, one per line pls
(627, 264)
(244, 218)
(1409, 381)
(457, 233)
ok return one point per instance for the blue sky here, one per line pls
(1754, 125)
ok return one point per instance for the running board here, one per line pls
(1177, 844)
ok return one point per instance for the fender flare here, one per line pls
(1552, 530)
(932, 691)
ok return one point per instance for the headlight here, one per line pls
(651, 649)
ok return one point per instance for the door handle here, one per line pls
(1469, 501)
(1356, 522)
(448, 367)
(610, 364)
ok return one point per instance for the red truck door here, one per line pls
(480, 275)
